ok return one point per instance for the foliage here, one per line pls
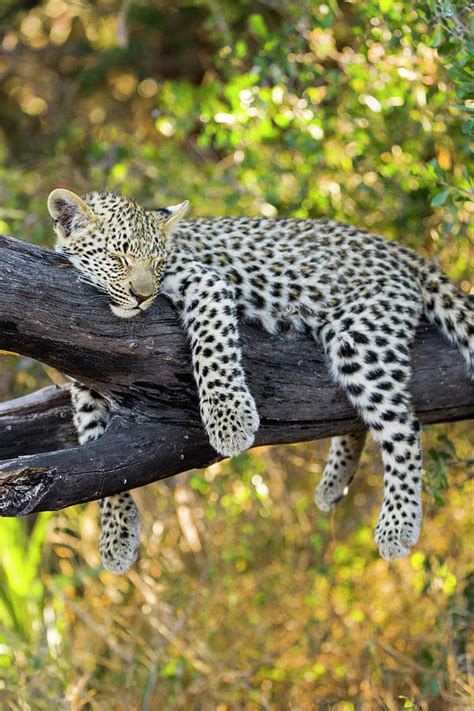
(245, 596)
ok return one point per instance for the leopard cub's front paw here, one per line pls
(231, 420)
(120, 534)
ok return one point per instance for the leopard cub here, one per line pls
(359, 296)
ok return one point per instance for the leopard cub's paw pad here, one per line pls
(327, 497)
(120, 534)
(231, 421)
(398, 530)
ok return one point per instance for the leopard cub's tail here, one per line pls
(449, 309)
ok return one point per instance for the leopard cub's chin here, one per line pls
(124, 313)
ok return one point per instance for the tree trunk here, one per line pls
(143, 365)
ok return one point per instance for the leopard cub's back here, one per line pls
(294, 274)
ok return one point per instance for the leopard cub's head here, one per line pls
(120, 247)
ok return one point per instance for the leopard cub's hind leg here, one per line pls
(119, 518)
(340, 469)
(370, 360)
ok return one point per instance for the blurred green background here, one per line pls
(245, 596)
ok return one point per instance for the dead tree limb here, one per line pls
(143, 365)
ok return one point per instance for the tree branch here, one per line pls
(40, 422)
(144, 366)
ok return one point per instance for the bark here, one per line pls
(143, 365)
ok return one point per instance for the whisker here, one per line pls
(98, 297)
(99, 287)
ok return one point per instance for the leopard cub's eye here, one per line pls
(120, 258)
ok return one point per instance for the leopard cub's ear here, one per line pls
(68, 211)
(172, 215)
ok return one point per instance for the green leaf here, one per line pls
(438, 38)
(468, 127)
(440, 198)
(437, 168)
(463, 107)
(241, 49)
(258, 26)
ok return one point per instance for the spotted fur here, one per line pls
(361, 297)
(120, 521)
(340, 469)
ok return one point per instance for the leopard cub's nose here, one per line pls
(142, 284)
(139, 297)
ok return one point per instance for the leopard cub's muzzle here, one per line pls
(142, 285)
